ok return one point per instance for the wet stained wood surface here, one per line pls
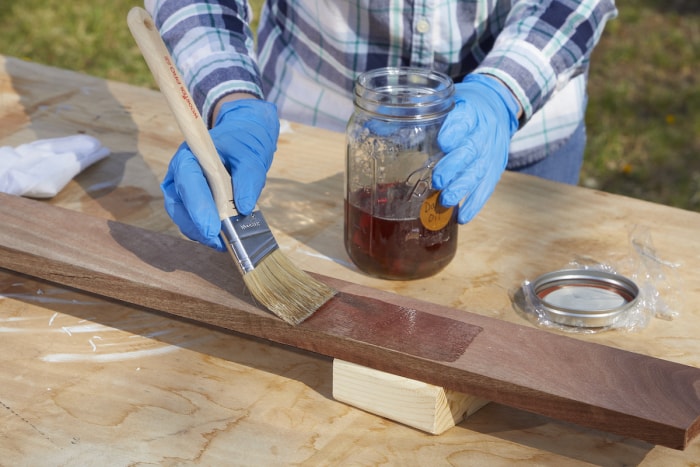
(86, 376)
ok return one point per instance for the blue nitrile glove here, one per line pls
(475, 138)
(245, 135)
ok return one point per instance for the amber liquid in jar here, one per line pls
(394, 247)
(394, 226)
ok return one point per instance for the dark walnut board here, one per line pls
(564, 378)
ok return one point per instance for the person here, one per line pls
(520, 69)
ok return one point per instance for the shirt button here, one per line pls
(422, 26)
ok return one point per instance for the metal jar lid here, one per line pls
(584, 298)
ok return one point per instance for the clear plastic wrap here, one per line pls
(650, 288)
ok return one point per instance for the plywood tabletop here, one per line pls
(86, 379)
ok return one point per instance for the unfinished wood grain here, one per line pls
(414, 403)
(593, 385)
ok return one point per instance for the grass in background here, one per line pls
(88, 36)
(643, 122)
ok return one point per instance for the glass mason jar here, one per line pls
(395, 228)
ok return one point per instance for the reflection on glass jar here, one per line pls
(395, 228)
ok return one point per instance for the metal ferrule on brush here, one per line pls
(248, 239)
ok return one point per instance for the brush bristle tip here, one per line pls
(286, 290)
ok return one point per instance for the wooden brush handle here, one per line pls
(182, 106)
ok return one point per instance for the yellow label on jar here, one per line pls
(433, 215)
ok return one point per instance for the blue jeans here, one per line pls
(564, 165)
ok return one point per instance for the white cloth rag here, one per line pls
(42, 168)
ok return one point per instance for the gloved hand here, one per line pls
(475, 138)
(245, 135)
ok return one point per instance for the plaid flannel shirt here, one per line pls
(309, 53)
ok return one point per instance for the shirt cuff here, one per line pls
(525, 70)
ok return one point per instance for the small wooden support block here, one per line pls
(419, 405)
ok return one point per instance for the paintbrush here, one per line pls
(269, 275)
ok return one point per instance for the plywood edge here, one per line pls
(420, 405)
